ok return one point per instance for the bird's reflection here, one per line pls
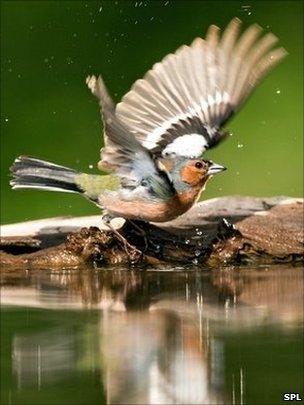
(160, 359)
(156, 337)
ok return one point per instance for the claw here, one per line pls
(134, 254)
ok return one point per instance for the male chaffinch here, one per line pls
(154, 138)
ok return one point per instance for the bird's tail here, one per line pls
(35, 173)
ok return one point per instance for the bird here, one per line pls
(152, 162)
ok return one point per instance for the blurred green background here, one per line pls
(49, 47)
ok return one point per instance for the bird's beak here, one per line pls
(215, 168)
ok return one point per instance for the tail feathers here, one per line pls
(34, 173)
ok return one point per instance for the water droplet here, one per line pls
(195, 261)
(198, 232)
(187, 241)
(197, 253)
(157, 248)
(247, 9)
(100, 9)
(90, 166)
(278, 91)
(166, 3)
(6, 120)
(239, 145)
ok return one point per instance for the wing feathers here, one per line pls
(206, 81)
(100, 91)
(123, 152)
(230, 35)
(266, 63)
(212, 36)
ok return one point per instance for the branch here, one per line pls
(221, 231)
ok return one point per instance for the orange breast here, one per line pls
(150, 211)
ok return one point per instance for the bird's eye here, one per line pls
(198, 165)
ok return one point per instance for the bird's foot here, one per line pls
(134, 254)
(141, 232)
(226, 229)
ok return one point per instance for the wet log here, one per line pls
(216, 232)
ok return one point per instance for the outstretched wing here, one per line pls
(180, 105)
(123, 153)
(99, 90)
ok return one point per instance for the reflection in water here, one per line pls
(42, 358)
(154, 337)
(159, 359)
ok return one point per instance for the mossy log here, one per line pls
(221, 231)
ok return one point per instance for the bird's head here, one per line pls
(188, 173)
(197, 171)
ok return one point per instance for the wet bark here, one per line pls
(222, 231)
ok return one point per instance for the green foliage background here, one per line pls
(49, 47)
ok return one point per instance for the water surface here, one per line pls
(152, 337)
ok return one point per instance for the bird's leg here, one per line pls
(141, 232)
(129, 249)
(226, 229)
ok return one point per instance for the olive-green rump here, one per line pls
(93, 184)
